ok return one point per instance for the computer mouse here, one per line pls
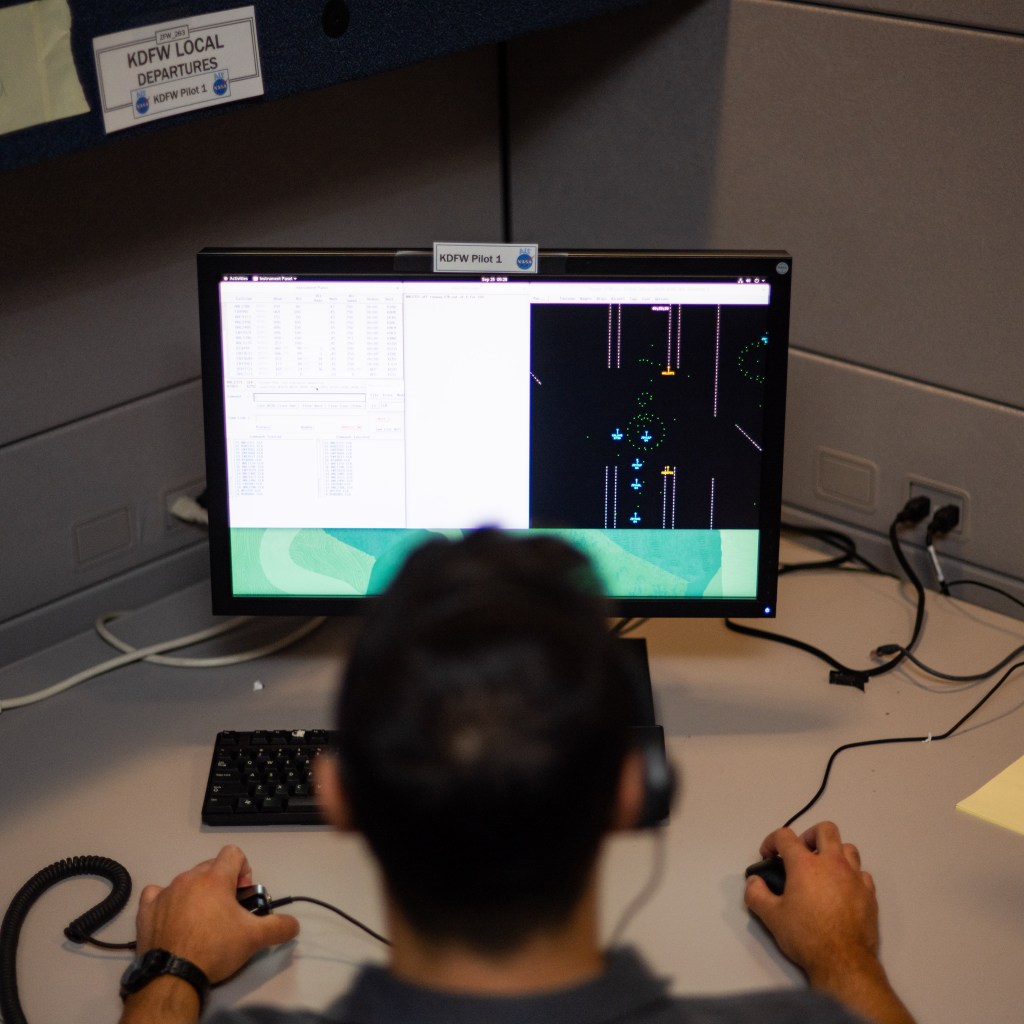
(254, 898)
(772, 870)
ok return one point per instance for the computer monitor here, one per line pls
(360, 401)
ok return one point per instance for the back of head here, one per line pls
(483, 723)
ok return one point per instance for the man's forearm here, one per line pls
(864, 988)
(166, 1000)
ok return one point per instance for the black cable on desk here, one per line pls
(911, 513)
(970, 677)
(985, 586)
(930, 738)
(285, 900)
(843, 542)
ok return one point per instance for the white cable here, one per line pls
(225, 659)
(153, 651)
(124, 659)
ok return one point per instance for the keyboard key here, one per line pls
(219, 805)
(308, 802)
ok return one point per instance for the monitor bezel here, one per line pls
(775, 266)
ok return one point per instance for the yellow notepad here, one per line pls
(40, 82)
(1001, 800)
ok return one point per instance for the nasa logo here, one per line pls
(220, 84)
(524, 260)
(141, 103)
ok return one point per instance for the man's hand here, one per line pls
(826, 920)
(198, 917)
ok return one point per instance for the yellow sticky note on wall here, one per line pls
(38, 80)
(1000, 801)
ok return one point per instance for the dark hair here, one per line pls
(483, 724)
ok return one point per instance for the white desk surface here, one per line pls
(117, 767)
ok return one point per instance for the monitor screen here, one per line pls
(359, 402)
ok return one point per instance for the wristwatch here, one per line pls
(158, 962)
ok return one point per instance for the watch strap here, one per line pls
(155, 964)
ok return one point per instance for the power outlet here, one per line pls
(942, 494)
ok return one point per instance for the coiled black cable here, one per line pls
(80, 930)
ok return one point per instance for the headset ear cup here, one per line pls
(659, 776)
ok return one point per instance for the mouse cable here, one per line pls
(76, 931)
(154, 653)
(80, 930)
(930, 738)
(842, 675)
(285, 900)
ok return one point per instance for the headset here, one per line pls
(648, 735)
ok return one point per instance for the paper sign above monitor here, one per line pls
(177, 66)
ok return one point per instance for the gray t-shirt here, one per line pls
(627, 993)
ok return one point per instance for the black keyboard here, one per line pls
(264, 777)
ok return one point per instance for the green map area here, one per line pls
(630, 563)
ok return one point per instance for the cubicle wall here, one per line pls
(883, 149)
(101, 417)
(880, 147)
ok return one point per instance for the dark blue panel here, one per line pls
(296, 51)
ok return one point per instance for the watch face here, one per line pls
(151, 965)
(144, 969)
(129, 974)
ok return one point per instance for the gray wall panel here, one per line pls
(860, 417)
(885, 155)
(883, 152)
(617, 146)
(97, 269)
(99, 351)
(997, 14)
(302, 47)
(54, 622)
(86, 502)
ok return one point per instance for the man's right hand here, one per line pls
(826, 920)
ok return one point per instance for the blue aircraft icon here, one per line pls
(616, 434)
(637, 464)
(636, 485)
(635, 518)
(646, 437)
